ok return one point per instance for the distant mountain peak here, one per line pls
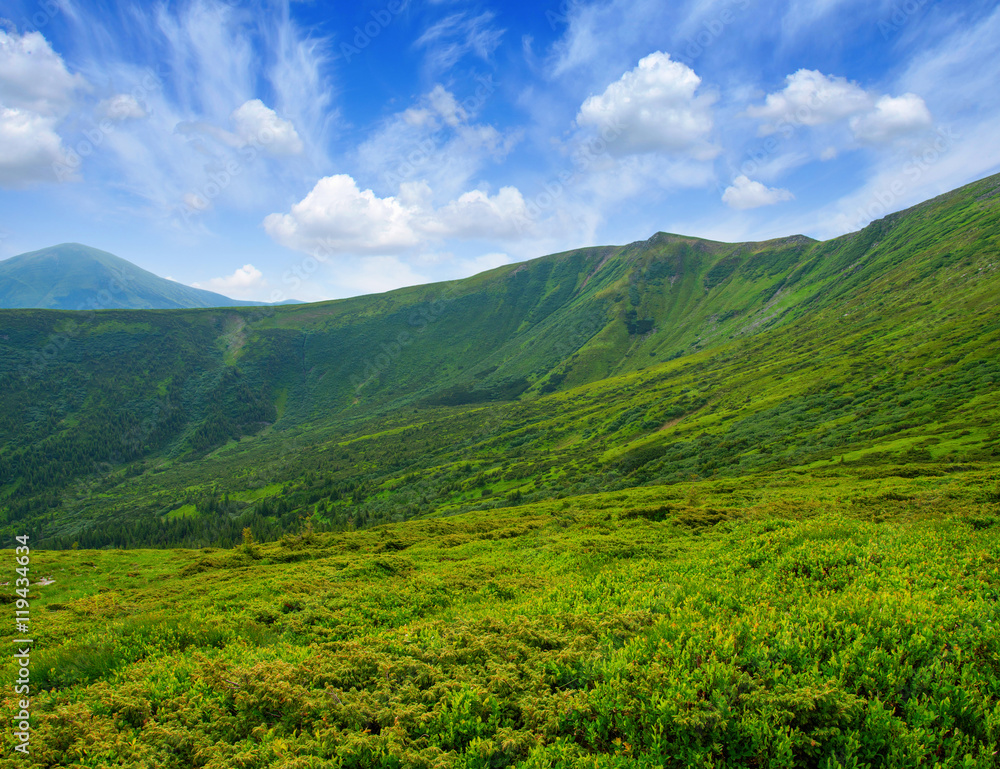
(74, 276)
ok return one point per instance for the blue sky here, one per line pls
(318, 150)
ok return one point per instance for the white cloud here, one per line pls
(813, 99)
(29, 146)
(122, 107)
(446, 105)
(259, 125)
(653, 108)
(435, 141)
(810, 98)
(196, 202)
(255, 125)
(36, 91)
(602, 38)
(437, 107)
(477, 215)
(337, 217)
(457, 35)
(246, 282)
(892, 118)
(745, 193)
(201, 63)
(33, 77)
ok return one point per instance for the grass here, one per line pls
(784, 620)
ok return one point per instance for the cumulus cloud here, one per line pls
(337, 217)
(476, 215)
(244, 283)
(810, 98)
(257, 124)
(29, 146)
(654, 108)
(892, 118)
(36, 92)
(744, 193)
(33, 77)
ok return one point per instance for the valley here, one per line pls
(677, 503)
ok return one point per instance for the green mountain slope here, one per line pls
(600, 368)
(76, 277)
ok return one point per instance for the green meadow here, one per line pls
(781, 621)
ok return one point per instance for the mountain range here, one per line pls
(72, 276)
(677, 503)
(609, 367)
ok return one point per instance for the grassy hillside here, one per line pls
(578, 372)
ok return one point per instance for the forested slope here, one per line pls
(611, 366)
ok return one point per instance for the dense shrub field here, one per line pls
(627, 629)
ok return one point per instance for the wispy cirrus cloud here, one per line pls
(437, 140)
(457, 35)
(201, 93)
